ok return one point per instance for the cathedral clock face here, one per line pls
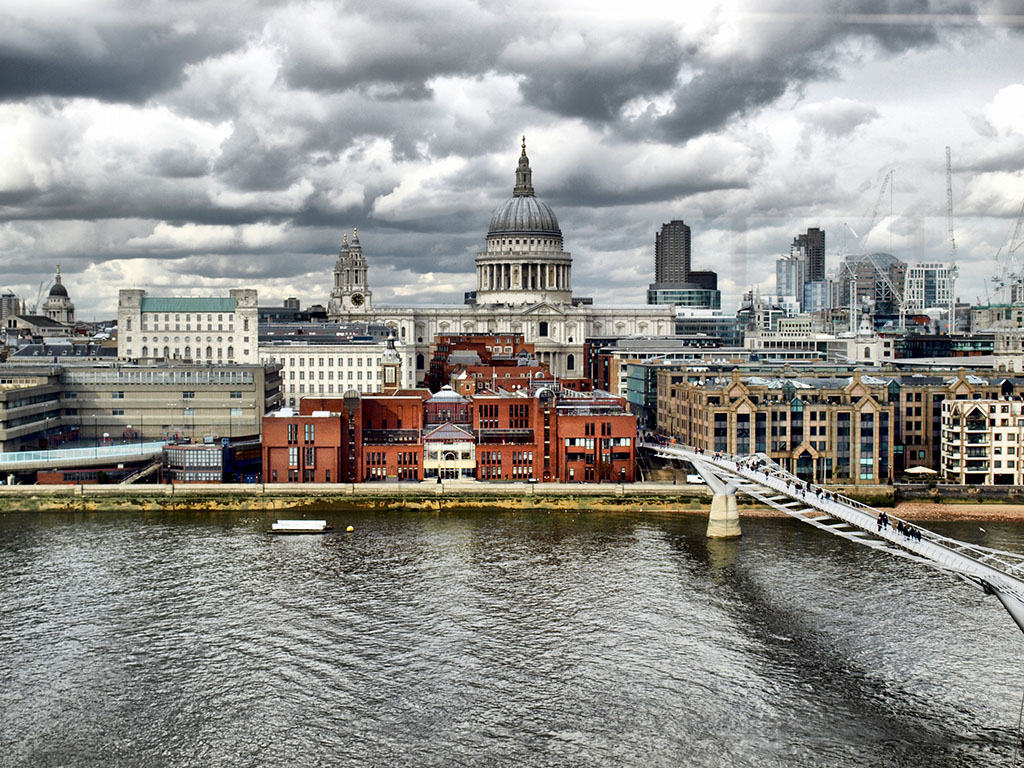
(357, 299)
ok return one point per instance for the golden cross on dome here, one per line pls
(524, 145)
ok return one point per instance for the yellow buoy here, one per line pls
(349, 529)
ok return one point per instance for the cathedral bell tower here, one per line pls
(350, 293)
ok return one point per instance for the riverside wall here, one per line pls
(309, 497)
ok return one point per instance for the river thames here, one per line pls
(518, 639)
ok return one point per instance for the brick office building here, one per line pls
(825, 426)
(449, 350)
(311, 447)
(545, 435)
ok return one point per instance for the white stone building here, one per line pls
(982, 442)
(524, 285)
(330, 369)
(188, 329)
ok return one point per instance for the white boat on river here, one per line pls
(293, 527)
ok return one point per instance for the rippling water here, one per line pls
(492, 639)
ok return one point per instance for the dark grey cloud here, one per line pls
(183, 162)
(403, 119)
(127, 59)
(388, 51)
(598, 84)
(797, 49)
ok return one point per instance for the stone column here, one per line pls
(724, 520)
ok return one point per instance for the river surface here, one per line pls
(504, 639)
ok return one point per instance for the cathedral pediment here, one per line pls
(544, 308)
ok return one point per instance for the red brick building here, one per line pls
(472, 379)
(545, 434)
(305, 447)
(475, 349)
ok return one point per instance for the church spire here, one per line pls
(524, 176)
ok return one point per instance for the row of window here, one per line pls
(319, 362)
(330, 375)
(160, 376)
(167, 354)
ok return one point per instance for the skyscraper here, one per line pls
(672, 253)
(674, 282)
(812, 245)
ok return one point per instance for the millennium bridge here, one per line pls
(994, 571)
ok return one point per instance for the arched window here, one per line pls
(209, 353)
(145, 351)
(167, 352)
(231, 353)
(570, 363)
(543, 328)
(188, 353)
(867, 351)
(419, 361)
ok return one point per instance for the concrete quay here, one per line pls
(370, 496)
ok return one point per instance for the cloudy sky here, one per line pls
(191, 147)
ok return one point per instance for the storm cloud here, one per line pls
(196, 147)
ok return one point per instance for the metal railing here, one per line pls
(119, 451)
(775, 479)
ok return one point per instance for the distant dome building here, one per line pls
(523, 262)
(523, 286)
(58, 306)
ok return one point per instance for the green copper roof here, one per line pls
(188, 305)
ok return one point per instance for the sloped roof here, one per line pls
(41, 320)
(448, 433)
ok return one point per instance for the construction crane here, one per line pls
(952, 245)
(1010, 267)
(898, 295)
(43, 287)
(878, 202)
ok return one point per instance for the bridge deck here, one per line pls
(61, 458)
(992, 570)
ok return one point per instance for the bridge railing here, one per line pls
(17, 459)
(1011, 561)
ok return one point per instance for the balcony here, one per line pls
(977, 426)
(390, 436)
(978, 440)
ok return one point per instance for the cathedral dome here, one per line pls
(524, 213)
(58, 290)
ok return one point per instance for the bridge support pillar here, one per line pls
(724, 520)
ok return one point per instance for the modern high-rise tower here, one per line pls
(674, 281)
(812, 245)
(672, 253)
